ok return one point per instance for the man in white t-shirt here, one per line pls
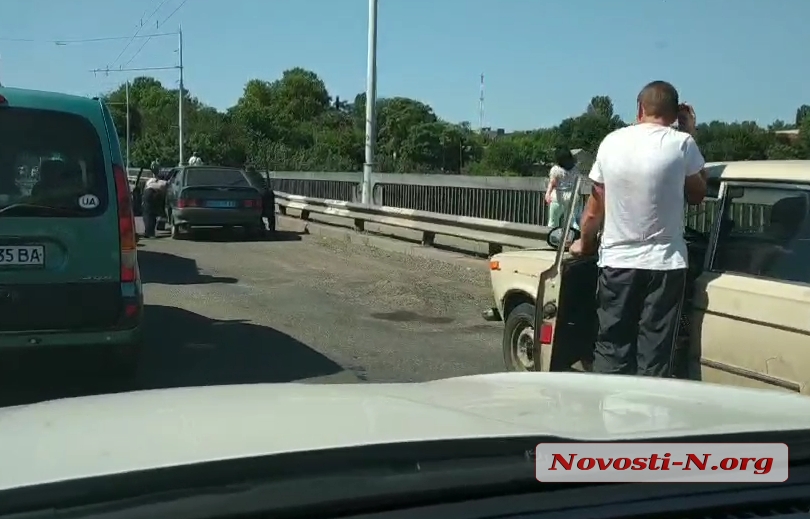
(640, 176)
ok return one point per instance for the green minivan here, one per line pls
(68, 254)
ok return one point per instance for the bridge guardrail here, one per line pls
(495, 233)
(518, 200)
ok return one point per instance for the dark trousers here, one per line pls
(639, 315)
(150, 211)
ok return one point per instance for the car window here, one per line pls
(50, 158)
(765, 232)
(215, 177)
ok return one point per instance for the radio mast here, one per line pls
(481, 106)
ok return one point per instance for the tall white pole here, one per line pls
(128, 131)
(371, 101)
(180, 102)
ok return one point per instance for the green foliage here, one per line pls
(292, 124)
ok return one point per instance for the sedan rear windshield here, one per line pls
(50, 159)
(216, 177)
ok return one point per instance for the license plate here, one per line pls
(221, 204)
(22, 255)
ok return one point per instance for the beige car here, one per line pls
(748, 301)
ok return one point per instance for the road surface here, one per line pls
(299, 308)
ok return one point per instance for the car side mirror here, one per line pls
(555, 237)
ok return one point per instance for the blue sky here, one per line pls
(542, 59)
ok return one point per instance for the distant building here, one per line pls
(584, 159)
(492, 134)
(791, 135)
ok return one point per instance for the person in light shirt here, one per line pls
(640, 178)
(153, 195)
(195, 160)
(561, 184)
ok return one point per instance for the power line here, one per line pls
(159, 25)
(87, 40)
(172, 13)
(137, 32)
(107, 70)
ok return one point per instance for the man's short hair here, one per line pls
(659, 99)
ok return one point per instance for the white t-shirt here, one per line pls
(195, 161)
(157, 185)
(566, 180)
(643, 168)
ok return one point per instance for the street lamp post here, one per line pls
(371, 101)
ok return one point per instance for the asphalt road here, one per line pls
(298, 308)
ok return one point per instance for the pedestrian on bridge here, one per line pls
(155, 168)
(561, 183)
(640, 177)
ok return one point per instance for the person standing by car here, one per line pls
(195, 160)
(155, 167)
(562, 180)
(268, 197)
(640, 177)
(153, 196)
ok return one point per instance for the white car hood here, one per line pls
(107, 434)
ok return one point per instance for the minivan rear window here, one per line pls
(215, 177)
(51, 164)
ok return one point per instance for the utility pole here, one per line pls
(128, 131)
(371, 101)
(108, 70)
(180, 101)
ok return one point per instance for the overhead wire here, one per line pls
(85, 40)
(159, 25)
(137, 32)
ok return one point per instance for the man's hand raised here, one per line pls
(687, 122)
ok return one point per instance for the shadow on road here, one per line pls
(168, 269)
(215, 235)
(189, 349)
(181, 348)
(29, 377)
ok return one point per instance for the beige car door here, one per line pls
(751, 317)
(548, 292)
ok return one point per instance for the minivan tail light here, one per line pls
(3, 101)
(257, 204)
(182, 203)
(126, 226)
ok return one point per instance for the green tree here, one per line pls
(293, 123)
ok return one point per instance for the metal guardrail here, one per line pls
(509, 199)
(518, 200)
(495, 233)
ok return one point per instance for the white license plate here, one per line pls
(33, 255)
(221, 204)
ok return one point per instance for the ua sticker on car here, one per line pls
(88, 201)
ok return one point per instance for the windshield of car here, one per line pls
(50, 159)
(215, 177)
